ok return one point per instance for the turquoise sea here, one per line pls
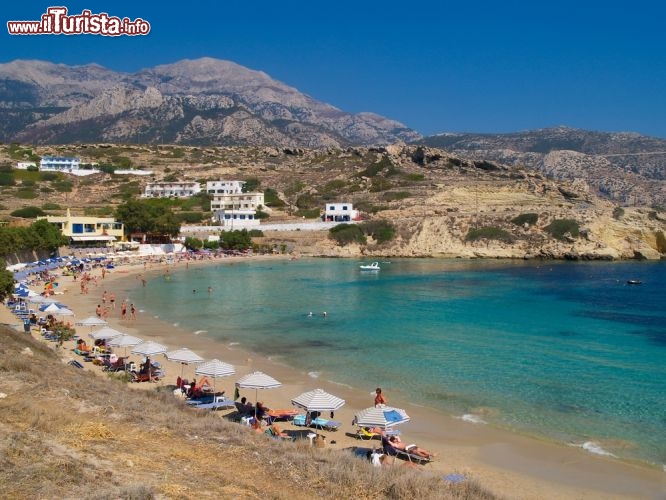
(562, 350)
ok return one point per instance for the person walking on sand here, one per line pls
(380, 400)
(132, 312)
(112, 299)
(123, 310)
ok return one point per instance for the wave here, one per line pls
(593, 447)
(234, 343)
(314, 374)
(472, 419)
(198, 332)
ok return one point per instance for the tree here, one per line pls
(49, 236)
(146, 216)
(6, 280)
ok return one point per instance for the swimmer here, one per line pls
(310, 314)
(324, 314)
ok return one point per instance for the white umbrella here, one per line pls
(383, 417)
(105, 333)
(256, 381)
(215, 368)
(91, 321)
(318, 400)
(125, 341)
(149, 348)
(185, 357)
(63, 311)
(51, 308)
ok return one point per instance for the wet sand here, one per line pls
(508, 464)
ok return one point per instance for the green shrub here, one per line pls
(260, 214)
(380, 184)
(271, 198)
(7, 179)
(193, 243)
(530, 219)
(189, 217)
(28, 212)
(396, 195)
(28, 183)
(255, 233)
(45, 189)
(344, 234)
(414, 177)
(307, 201)
(618, 213)
(251, 185)
(26, 194)
(334, 186)
(312, 213)
(63, 186)
(381, 230)
(489, 233)
(560, 228)
(49, 176)
(51, 206)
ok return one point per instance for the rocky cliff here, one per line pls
(625, 167)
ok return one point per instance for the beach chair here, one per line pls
(367, 433)
(392, 451)
(318, 423)
(220, 403)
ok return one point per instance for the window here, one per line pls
(344, 207)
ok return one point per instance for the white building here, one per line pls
(171, 189)
(59, 164)
(340, 212)
(224, 187)
(25, 165)
(237, 219)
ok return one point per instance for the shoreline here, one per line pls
(507, 463)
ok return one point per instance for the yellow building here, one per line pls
(91, 230)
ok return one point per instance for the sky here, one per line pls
(484, 66)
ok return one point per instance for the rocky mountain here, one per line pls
(196, 102)
(628, 168)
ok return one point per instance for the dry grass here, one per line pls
(68, 433)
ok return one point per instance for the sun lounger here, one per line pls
(319, 423)
(391, 450)
(366, 433)
(286, 414)
(217, 405)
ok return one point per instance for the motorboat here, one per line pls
(634, 282)
(370, 267)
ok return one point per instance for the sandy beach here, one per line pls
(508, 464)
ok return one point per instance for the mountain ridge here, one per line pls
(206, 100)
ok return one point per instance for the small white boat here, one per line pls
(370, 267)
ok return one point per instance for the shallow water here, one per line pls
(564, 350)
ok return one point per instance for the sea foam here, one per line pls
(593, 447)
(473, 419)
(314, 374)
(198, 332)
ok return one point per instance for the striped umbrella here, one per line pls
(215, 368)
(185, 357)
(383, 417)
(318, 400)
(256, 381)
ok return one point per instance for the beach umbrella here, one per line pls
(149, 348)
(105, 333)
(185, 357)
(52, 307)
(125, 341)
(383, 417)
(318, 400)
(63, 311)
(91, 321)
(256, 381)
(214, 368)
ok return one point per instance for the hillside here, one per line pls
(82, 435)
(627, 168)
(194, 102)
(440, 204)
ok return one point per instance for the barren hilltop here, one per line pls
(440, 204)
